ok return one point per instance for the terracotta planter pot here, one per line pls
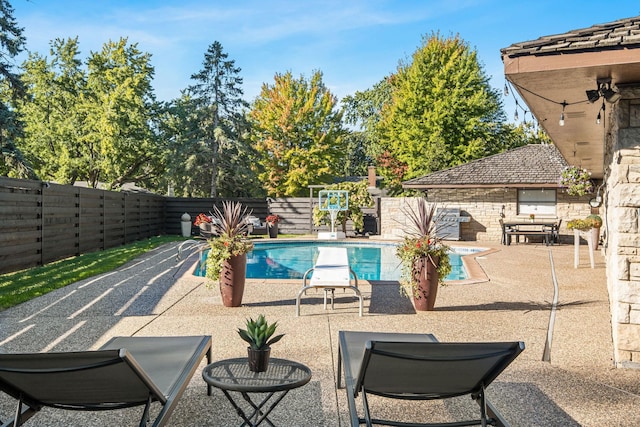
(258, 359)
(232, 278)
(595, 237)
(425, 273)
(273, 230)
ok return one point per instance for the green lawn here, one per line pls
(21, 286)
(24, 285)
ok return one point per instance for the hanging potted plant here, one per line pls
(259, 335)
(576, 180)
(227, 259)
(424, 257)
(272, 225)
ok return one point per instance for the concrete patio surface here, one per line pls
(157, 296)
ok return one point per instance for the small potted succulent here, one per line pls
(272, 224)
(259, 335)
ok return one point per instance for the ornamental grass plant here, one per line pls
(230, 228)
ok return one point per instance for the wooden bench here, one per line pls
(546, 234)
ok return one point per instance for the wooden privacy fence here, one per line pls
(296, 213)
(176, 207)
(41, 222)
(297, 216)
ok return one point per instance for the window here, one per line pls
(537, 201)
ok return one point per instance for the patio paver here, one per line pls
(153, 296)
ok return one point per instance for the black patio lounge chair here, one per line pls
(418, 367)
(125, 372)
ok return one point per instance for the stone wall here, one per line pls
(622, 200)
(485, 207)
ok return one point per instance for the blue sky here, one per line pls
(355, 43)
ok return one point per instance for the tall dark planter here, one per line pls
(273, 230)
(425, 274)
(232, 278)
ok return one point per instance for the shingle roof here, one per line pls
(532, 165)
(609, 36)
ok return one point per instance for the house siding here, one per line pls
(484, 206)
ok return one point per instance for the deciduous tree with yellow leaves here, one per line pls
(297, 131)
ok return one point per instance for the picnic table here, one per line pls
(548, 230)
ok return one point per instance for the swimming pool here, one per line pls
(370, 261)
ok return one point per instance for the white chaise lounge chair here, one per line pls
(331, 271)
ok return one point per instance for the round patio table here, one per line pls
(233, 375)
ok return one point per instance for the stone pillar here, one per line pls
(623, 230)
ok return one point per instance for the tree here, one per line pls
(186, 157)
(356, 152)
(362, 111)
(12, 42)
(443, 112)
(217, 98)
(93, 124)
(120, 114)
(514, 136)
(52, 113)
(298, 134)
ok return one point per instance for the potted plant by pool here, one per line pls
(259, 335)
(596, 223)
(227, 259)
(424, 256)
(272, 225)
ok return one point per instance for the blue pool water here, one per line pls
(370, 261)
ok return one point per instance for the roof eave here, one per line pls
(468, 186)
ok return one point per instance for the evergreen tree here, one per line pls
(186, 156)
(12, 42)
(217, 99)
